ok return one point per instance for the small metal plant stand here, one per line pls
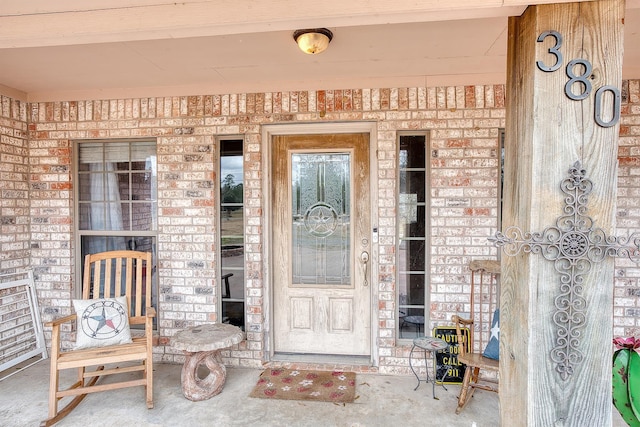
(432, 346)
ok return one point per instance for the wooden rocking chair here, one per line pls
(484, 301)
(107, 275)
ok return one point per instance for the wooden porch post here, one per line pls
(551, 124)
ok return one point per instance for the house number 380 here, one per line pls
(579, 72)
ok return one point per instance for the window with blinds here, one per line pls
(116, 198)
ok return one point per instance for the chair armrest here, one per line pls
(461, 320)
(150, 312)
(56, 343)
(60, 320)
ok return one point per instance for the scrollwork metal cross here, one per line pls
(574, 245)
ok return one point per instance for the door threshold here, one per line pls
(322, 358)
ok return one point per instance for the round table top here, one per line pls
(430, 343)
(207, 337)
(418, 320)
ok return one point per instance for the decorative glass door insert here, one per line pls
(321, 213)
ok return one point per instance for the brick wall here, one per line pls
(626, 312)
(51, 213)
(14, 189)
(464, 124)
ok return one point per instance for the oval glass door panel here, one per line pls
(321, 232)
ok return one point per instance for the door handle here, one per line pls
(364, 259)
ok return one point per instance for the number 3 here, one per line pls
(554, 50)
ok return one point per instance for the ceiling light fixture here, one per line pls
(313, 40)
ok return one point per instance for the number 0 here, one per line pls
(616, 106)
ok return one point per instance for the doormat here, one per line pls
(297, 384)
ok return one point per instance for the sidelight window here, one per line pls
(413, 245)
(231, 250)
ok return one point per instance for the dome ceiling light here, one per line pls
(313, 40)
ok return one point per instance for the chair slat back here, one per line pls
(120, 273)
(485, 298)
(463, 325)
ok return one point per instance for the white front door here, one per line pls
(321, 244)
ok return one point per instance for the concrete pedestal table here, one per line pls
(202, 345)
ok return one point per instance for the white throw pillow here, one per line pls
(102, 322)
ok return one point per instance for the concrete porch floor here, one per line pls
(382, 401)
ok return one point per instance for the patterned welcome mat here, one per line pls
(297, 384)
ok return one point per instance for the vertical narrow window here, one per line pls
(231, 222)
(413, 253)
(116, 203)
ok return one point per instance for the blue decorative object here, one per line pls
(492, 350)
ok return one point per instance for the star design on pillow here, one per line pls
(495, 331)
(103, 321)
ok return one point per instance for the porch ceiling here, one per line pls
(74, 49)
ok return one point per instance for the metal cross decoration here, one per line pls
(574, 245)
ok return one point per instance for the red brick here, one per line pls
(385, 99)
(403, 98)
(172, 211)
(61, 186)
(470, 97)
(458, 143)
(629, 161)
(303, 101)
(499, 96)
(321, 96)
(337, 100)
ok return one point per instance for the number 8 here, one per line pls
(582, 78)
